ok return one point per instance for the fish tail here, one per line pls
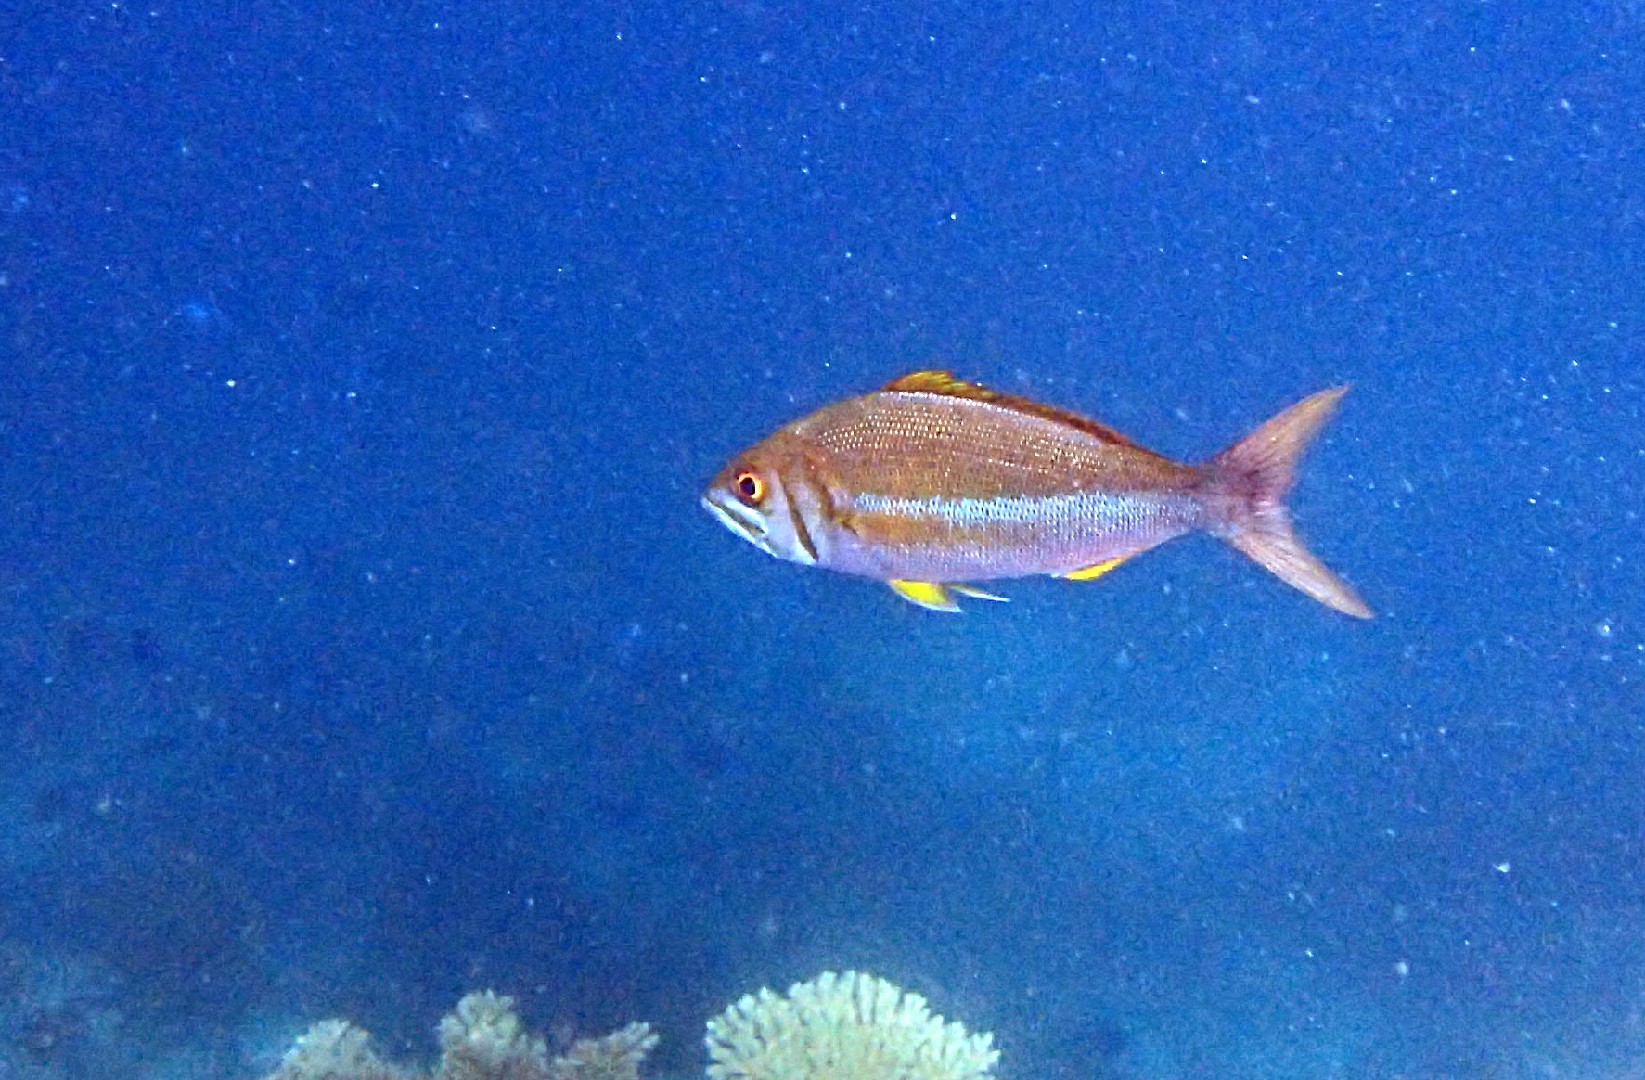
(1246, 493)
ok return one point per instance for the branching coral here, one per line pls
(482, 1039)
(843, 1027)
(835, 1027)
(334, 1050)
(615, 1057)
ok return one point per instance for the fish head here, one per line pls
(761, 497)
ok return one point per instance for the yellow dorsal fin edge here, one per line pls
(945, 383)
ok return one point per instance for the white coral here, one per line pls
(613, 1057)
(484, 1040)
(843, 1027)
(333, 1050)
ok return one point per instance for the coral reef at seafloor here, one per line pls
(482, 1039)
(834, 1027)
(843, 1027)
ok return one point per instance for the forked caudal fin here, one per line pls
(1248, 484)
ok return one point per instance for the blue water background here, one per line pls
(362, 641)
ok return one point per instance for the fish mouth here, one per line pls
(739, 519)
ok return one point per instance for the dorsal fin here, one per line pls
(944, 382)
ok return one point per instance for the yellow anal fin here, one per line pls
(1095, 570)
(927, 594)
(979, 594)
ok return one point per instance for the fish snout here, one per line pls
(741, 520)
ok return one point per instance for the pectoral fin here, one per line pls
(1095, 570)
(927, 594)
(938, 597)
(979, 594)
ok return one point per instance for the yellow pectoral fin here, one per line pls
(927, 594)
(936, 597)
(1095, 570)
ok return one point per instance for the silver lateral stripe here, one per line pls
(1007, 509)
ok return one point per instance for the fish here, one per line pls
(933, 484)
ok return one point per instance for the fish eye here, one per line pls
(749, 488)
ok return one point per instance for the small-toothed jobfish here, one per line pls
(933, 483)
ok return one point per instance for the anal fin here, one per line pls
(1094, 571)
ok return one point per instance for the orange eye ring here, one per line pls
(749, 488)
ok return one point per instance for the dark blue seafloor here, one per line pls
(362, 642)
